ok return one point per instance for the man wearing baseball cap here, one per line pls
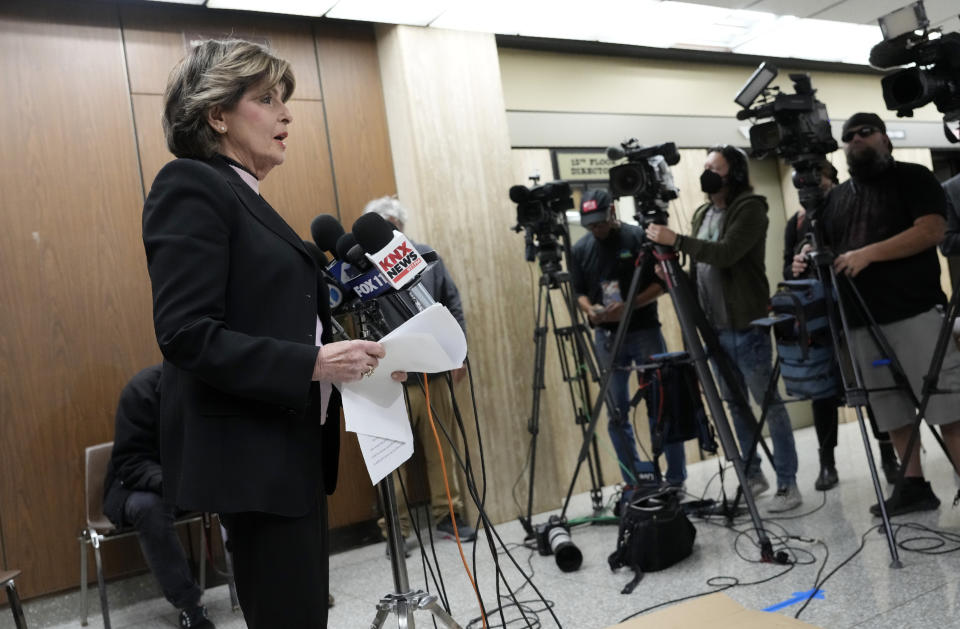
(884, 224)
(601, 268)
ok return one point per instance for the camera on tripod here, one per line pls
(646, 177)
(935, 75)
(799, 130)
(553, 538)
(541, 214)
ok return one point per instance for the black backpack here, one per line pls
(654, 534)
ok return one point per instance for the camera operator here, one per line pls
(884, 224)
(601, 268)
(440, 285)
(826, 410)
(727, 250)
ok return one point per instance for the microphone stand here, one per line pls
(402, 601)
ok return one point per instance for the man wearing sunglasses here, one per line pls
(884, 224)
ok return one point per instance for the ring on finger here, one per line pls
(368, 372)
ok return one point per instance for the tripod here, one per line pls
(688, 311)
(574, 347)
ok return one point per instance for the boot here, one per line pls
(888, 461)
(827, 479)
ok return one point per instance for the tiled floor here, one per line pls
(866, 592)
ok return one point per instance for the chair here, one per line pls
(6, 579)
(99, 530)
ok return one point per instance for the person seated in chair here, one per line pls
(133, 495)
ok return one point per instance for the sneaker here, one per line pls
(467, 532)
(195, 618)
(757, 484)
(915, 495)
(827, 479)
(785, 499)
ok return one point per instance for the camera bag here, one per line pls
(807, 364)
(654, 534)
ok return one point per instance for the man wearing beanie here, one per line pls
(884, 224)
(601, 268)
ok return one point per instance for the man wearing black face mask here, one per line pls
(885, 223)
(726, 245)
(601, 268)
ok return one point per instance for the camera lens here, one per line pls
(567, 554)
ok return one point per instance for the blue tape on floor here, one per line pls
(797, 598)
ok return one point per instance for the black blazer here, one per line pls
(235, 302)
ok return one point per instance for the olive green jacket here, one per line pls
(739, 254)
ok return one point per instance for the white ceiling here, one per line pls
(942, 13)
(823, 30)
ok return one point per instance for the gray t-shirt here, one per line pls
(709, 286)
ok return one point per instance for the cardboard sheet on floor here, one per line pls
(716, 611)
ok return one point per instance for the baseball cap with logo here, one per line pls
(594, 206)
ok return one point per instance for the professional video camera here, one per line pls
(935, 75)
(646, 177)
(799, 132)
(541, 214)
(553, 538)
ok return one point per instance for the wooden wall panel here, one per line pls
(356, 118)
(156, 38)
(77, 320)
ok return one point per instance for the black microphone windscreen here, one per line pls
(344, 243)
(670, 153)
(889, 54)
(318, 256)
(372, 232)
(326, 230)
(615, 152)
(519, 194)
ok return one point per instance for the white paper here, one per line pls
(373, 407)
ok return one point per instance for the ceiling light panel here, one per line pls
(313, 8)
(411, 12)
(815, 39)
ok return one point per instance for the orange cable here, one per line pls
(446, 484)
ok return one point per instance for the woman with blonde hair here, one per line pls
(250, 421)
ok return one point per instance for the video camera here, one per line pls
(541, 214)
(935, 75)
(646, 177)
(799, 132)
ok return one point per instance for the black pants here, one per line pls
(161, 547)
(281, 567)
(825, 420)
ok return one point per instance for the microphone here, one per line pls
(356, 272)
(615, 152)
(399, 264)
(389, 250)
(333, 286)
(325, 231)
(890, 53)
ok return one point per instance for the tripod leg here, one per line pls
(888, 531)
(533, 426)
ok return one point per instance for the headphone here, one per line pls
(739, 173)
